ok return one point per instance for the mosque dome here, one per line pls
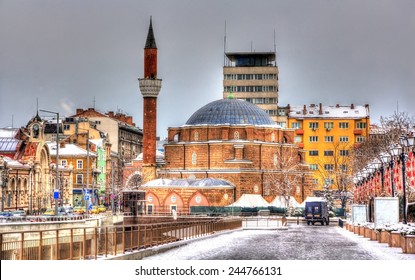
(230, 111)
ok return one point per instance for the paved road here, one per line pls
(299, 242)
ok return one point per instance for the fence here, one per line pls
(92, 242)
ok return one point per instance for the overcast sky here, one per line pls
(68, 53)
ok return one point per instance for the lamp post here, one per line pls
(56, 192)
(31, 164)
(395, 155)
(407, 142)
(4, 179)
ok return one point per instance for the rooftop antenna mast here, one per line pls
(275, 49)
(224, 47)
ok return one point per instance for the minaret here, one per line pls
(150, 88)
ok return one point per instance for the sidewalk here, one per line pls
(381, 249)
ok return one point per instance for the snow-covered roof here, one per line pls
(250, 200)
(281, 201)
(8, 132)
(69, 150)
(189, 183)
(324, 111)
(97, 142)
(159, 156)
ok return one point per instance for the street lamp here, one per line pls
(56, 192)
(407, 141)
(394, 150)
(31, 164)
(4, 179)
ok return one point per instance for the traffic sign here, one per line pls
(86, 197)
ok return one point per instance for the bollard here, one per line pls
(298, 220)
(340, 223)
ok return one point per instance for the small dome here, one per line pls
(230, 111)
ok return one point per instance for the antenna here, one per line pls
(224, 47)
(251, 45)
(275, 45)
(94, 103)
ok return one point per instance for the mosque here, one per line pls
(227, 148)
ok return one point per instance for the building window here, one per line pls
(66, 127)
(296, 125)
(344, 138)
(194, 158)
(328, 138)
(64, 162)
(328, 153)
(329, 167)
(360, 125)
(236, 135)
(360, 139)
(328, 181)
(79, 164)
(344, 125)
(313, 153)
(344, 167)
(344, 153)
(313, 138)
(79, 179)
(328, 125)
(298, 139)
(282, 124)
(275, 160)
(196, 136)
(315, 181)
(313, 167)
(313, 125)
(272, 137)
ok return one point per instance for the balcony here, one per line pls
(299, 131)
(358, 132)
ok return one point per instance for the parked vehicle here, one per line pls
(316, 211)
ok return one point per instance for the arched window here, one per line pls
(194, 158)
(275, 160)
(273, 137)
(236, 135)
(196, 136)
(176, 137)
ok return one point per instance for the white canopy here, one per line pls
(282, 202)
(311, 198)
(250, 200)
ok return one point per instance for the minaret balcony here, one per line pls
(150, 87)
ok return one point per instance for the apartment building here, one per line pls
(327, 134)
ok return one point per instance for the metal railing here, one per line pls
(83, 243)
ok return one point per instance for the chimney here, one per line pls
(79, 111)
(320, 110)
(305, 110)
(111, 114)
(352, 106)
(337, 106)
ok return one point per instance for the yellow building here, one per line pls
(83, 165)
(327, 134)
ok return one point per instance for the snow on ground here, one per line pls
(381, 250)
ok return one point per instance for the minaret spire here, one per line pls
(151, 41)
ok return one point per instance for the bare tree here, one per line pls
(287, 175)
(334, 170)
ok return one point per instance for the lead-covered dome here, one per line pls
(230, 111)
